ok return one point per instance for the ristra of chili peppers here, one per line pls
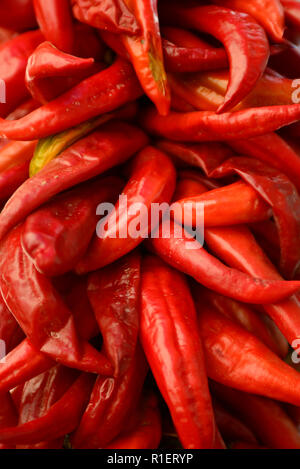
(243, 38)
(146, 53)
(56, 23)
(57, 235)
(50, 72)
(277, 190)
(234, 204)
(250, 366)
(109, 146)
(39, 309)
(187, 255)
(103, 92)
(265, 417)
(61, 418)
(269, 13)
(147, 185)
(111, 15)
(207, 126)
(174, 352)
(13, 60)
(147, 433)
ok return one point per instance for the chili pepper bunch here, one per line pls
(147, 341)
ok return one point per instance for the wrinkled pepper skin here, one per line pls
(174, 352)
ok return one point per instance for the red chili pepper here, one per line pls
(230, 426)
(174, 352)
(17, 15)
(187, 255)
(98, 94)
(146, 53)
(55, 20)
(13, 59)
(10, 331)
(269, 13)
(58, 234)
(110, 15)
(208, 126)
(25, 108)
(277, 190)
(147, 185)
(51, 72)
(250, 366)
(112, 402)
(273, 150)
(61, 418)
(147, 434)
(265, 417)
(39, 309)
(114, 295)
(234, 204)
(244, 40)
(111, 145)
(8, 416)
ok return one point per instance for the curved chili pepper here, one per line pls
(269, 13)
(244, 40)
(58, 234)
(234, 204)
(61, 418)
(147, 185)
(230, 426)
(12, 178)
(112, 402)
(187, 255)
(250, 366)
(13, 59)
(265, 417)
(55, 20)
(109, 146)
(174, 352)
(14, 153)
(17, 15)
(207, 126)
(114, 295)
(277, 190)
(50, 72)
(273, 150)
(110, 15)
(146, 54)
(23, 109)
(39, 309)
(96, 95)
(147, 434)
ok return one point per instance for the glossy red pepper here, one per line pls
(98, 94)
(109, 146)
(50, 72)
(244, 40)
(174, 352)
(57, 235)
(204, 126)
(56, 23)
(147, 185)
(250, 366)
(187, 255)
